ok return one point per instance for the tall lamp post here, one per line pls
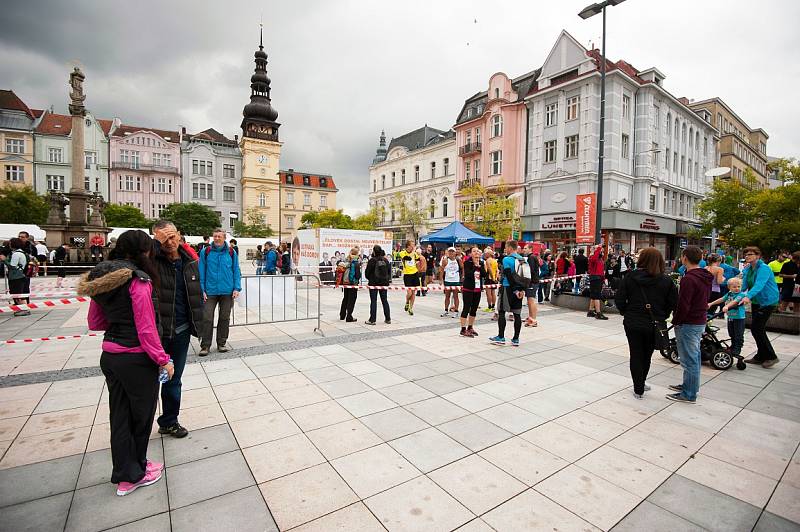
(590, 11)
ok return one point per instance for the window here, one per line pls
(446, 167)
(138, 184)
(393, 180)
(262, 200)
(15, 145)
(682, 205)
(162, 185)
(307, 180)
(625, 146)
(497, 125)
(97, 184)
(383, 182)
(290, 222)
(550, 151)
(496, 158)
(232, 217)
(653, 200)
(683, 134)
(444, 206)
(477, 168)
(15, 173)
(677, 130)
(551, 114)
(496, 93)
(469, 115)
(691, 138)
(290, 179)
(478, 135)
(228, 193)
(705, 145)
(403, 176)
(55, 155)
(323, 200)
(683, 165)
(87, 183)
(466, 169)
(665, 208)
(202, 191)
(55, 182)
(433, 169)
(202, 167)
(432, 208)
(90, 158)
(674, 202)
(468, 137)
(374, 185)
(669, 123)
(228, 170)
(657, 119)
(306, 198)
(416, 174)
(158, 209)
(129, 183)
(719, 121)
(666, 160)
(626, 106)
(573, 107)
(290, 198)
(689, 169)
(696, 140)
(571, 147)
(166, 159)
(655, 153)
(156, 159)
(675, 162)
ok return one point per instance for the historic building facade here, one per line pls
(211, 167)
(302, 192)
(53, 154)
(419, 170)
(490, 133)
(145, 168)
(740, 147)
(657, 151)
(17, 122)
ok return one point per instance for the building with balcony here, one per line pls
(417, 169)
(303, 192)
(657, 150)
(490, 133)
(211, 174)
(17, 122)
(740, 147)
(53, 153)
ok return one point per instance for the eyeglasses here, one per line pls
(749, 254)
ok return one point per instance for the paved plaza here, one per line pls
(404, 427)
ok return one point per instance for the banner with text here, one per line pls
(585, 212)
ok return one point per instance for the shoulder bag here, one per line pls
(660, 327)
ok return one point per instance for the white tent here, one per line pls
(8, 231)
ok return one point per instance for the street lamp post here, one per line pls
(587, 12)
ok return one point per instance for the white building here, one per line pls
(657, 151)
(419, 169)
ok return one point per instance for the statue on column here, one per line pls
(76, 94)
(98, 205)
(58, 202)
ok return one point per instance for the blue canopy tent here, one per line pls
(456, 233)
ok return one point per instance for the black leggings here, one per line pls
(501, 324)
(471, 302)
(641, 344)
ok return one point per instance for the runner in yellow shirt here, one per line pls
(409, 258)
(491, 269)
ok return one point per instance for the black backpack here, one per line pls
(382, 275)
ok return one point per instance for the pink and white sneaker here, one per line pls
(150, 477)
(154, 466)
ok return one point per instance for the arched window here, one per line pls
(669, 123)
(497, 125)
(677, 131)
(433, 208)
(262, 200)
(683, 134)
(691, 137)
(444, 206)
(497, 93)
(383, 182)
(697, 140)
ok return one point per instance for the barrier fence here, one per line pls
(280, 298)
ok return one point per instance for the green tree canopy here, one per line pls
(494, 213)
(192, 218)
(409, 213)
(125, 216)
(788, 169)
(330, 218)
(254, 226)
(21, 205)
(367, 221)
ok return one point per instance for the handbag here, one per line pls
(662, 336)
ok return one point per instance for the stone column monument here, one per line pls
(77, 194)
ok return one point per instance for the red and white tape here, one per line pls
(441, 288)
(49, 338)
(47, 294)
(44, 304)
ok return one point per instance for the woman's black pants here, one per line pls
(641, 344)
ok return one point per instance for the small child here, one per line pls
(736, 313)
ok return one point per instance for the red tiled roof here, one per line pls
(212, 135)
(9, 100)
(105, 125)
(55, 124)
(37, 112)
(314, 179)
(163, 133)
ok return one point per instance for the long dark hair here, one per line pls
(137, 246)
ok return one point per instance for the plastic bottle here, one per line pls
(163, 375)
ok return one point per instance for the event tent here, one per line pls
(456, 233)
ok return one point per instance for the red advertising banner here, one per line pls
(585, 211)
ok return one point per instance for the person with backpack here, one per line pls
(17, 264)
(378, 273)
(221, 281)
(60, 260)
(450, 271)
(516, 278)
(285, 262)
(531, 291)
(474, 277)
(351, 277)
(270, 259)
(545, 272)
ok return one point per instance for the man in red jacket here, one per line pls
(690, 322)
(596, 274)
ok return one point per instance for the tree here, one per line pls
(329, 218)
(367, 221)
(788, 170)
(125, 216)
(723, 209)
(494, 214)
(409, 213)
(21, 205)
(255, 225)
(192, 218)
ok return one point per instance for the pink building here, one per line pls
(145, 168)
(490, 135)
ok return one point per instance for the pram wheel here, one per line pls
(741, 365)
(721, 359)
(671, 352)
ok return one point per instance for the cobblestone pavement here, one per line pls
(405, 427)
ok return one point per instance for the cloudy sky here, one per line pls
(342, 70)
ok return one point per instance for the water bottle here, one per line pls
(163, 375)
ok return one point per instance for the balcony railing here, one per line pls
(471, 147)
(134, 165)
(466, 183)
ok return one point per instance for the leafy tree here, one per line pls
(329, 218)
(724, 209)
(367, 221)
(255, 225)
(409, 213)
(788, 169)
(21, 205)
(495, 215)
(192, 218)
(125, 216)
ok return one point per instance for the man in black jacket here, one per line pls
(180, 312)
(378, 273)
(581, 268)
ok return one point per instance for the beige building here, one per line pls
(740, 147)
(301, 193)
(17, 122)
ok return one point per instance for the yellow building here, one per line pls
(261, 149)
(17, 122)
(740, 147)
(302, 192)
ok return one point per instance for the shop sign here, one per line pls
(585, 210)
(649, 224)
(560, 221)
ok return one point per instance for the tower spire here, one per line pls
(259, 115)
(261, 34)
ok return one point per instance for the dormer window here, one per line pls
(323, 182)
(289, 179)
(306, 180)
(469, 112)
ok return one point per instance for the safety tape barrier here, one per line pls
(49, 338)
(44, 304)
(48, 294)
(442, 288)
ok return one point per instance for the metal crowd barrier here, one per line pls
(278, 299)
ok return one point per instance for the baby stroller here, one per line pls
(712, 350)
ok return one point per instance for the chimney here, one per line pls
(183, 130)
(236, 138)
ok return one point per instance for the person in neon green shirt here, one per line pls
(776, 265)
(409, 258)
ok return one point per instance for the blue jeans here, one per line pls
(177, 348)
(688, 337)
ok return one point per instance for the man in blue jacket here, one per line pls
(221, 281)
(270, 259)
(761, 291)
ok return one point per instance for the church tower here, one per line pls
(261, 149)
